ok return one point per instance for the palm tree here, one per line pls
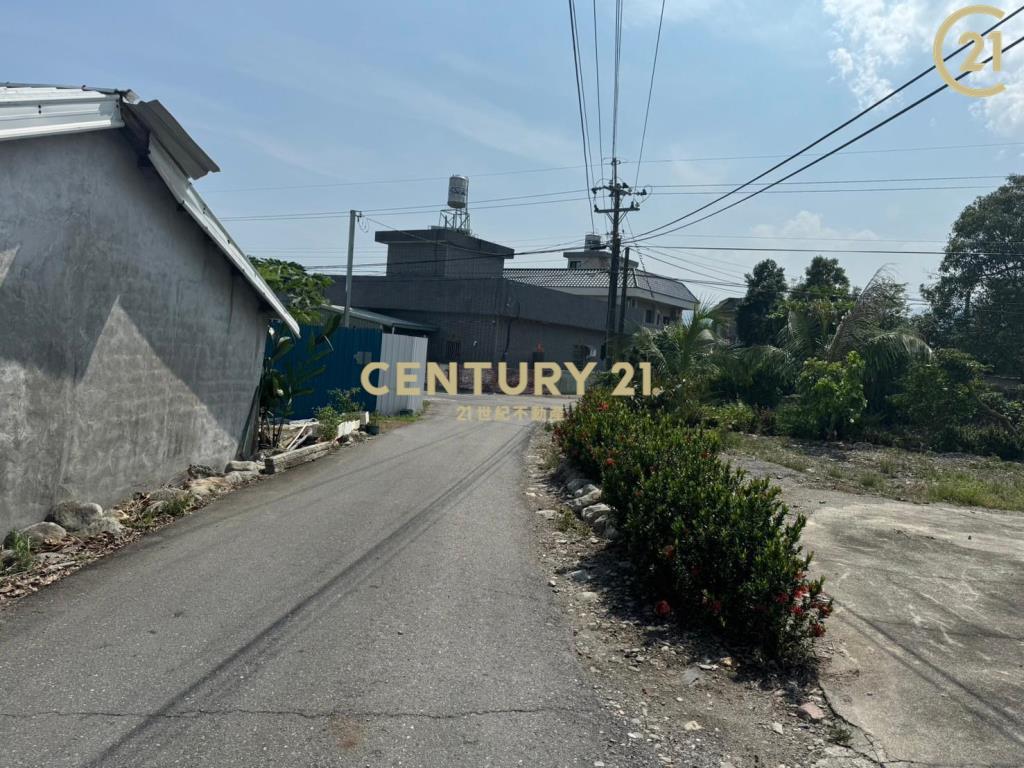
(875, 326)
(682, 355)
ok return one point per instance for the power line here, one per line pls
(551, 169)
(872, 129)
(597, 78)
(835, 130)
(618, 60)
(650, 92)
(588, 157)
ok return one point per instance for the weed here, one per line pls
(21, 545)
(889, 466)
(872, 481)
(177, 506)
(839, 734)
(567, 522)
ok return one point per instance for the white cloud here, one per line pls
(881, 40)
(811, 226)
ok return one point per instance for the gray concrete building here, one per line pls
(133, 326)
(486, 310)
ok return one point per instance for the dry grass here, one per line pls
(923, 477)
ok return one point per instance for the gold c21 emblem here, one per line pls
(973, 62)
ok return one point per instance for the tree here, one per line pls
(759, 317)
(823, 278)
(977, 303)
(302, 292)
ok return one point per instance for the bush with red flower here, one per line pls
(714, 542)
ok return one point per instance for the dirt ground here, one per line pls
(698, 703)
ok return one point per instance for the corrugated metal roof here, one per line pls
(385, 320)
(28, 111)
(598, 278)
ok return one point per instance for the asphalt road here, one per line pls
(379, 607)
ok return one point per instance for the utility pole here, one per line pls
(625, 284)
(617, 190)
(352, 215)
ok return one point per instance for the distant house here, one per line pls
(133, 326)
(484, 311)
(726, 310)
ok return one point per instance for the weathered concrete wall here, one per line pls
(129, 347)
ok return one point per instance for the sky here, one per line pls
(318, 108)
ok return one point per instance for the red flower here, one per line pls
(716, 607)
(800, 592)
(609, 462)
(817, 629)
(797, 610)
(663, 608)
(602, 406)
(782, 598)
(668, 551)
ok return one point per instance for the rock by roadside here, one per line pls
(696, 702)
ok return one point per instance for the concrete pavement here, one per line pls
(378, 607)
(927, 640)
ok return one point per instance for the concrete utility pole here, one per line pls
(617, 190)
(625, 284)
(352, 216)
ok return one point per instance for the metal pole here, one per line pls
(348, 269)
(625, 283)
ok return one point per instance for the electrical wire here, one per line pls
(835, 130)
(650, 92)
(597, 79)
(615, 93)
(588, 158)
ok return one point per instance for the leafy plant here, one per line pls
(283, 381)
(328, 419)
(831, 396)
(21, 545)
(302, 292)
(715, 545)
(589, 429)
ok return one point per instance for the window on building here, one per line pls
(453, 351)
(649, 316)
(574, 264)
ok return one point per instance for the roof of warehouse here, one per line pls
(28, 111)
(379, 319)
(560, 277)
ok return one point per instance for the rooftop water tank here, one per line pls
(592, 242)
(458, 192)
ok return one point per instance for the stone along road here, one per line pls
(379, 607)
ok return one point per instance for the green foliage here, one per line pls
(975, 301)
(346, 400)
(823, 279)
(941, 392)
(715, 544)
(328, 419)
(587, 433)
(831, 396)
(177, 506)
(759, 376)
(947, 400)
(760, 316)
(302, 292)
(282, 381)
(21, 545)
(734, 417)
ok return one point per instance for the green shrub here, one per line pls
(346, 401)
(831, 396)
(588, 431)
(941, 392)
(21, 545)
(734, 417)
(328, 420)
(717, 544)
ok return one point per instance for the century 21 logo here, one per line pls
(973, 62)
